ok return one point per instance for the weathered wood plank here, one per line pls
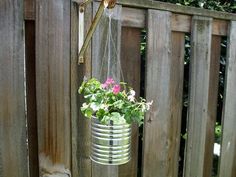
(31, 97)
(29, 9)
(220, 27)
(136, 18)
(228, 150)
(213, 96)
(53, 79)
(178, 47)
(164, 84)
(150, 4)
(132, 17)
(74, 94)
(81, 163)
(131, 58)
(181, 23)
(13, 147)
(101, 67)
(202, 98)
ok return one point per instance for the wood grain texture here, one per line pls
(101, 68)
(164, 85)
(228, 151)
(202, 98)
(220, 27)
(132, 17)
(151, 4)
(177, 54)
(53, 79)
(136, 18)
(13, 145)
(181, 23)
(80, 126)
(213, 98)
(131, 68)
(29, 9)
(31, 97)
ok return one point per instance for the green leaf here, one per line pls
(100, 113)
(117, 118)
(105, 119)
(88, 113)
(118, 104)
(81, 88)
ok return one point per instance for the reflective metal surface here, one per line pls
(110, 143)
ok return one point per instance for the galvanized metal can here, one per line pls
(111, 143)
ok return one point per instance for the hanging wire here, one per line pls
(109, 45)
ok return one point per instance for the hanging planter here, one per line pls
(112, 112)
(110, 143)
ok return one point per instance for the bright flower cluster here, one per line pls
(108, 101)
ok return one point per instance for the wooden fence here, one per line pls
(39, 78)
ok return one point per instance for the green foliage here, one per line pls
(107, 102)
(218, 5)
(218, 132)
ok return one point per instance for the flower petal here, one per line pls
(116, 89)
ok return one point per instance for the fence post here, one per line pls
(13, 140)
(202, 99)
(228, 148)
(164, 85)
(131, 62)
(53, 81)
(80, 126)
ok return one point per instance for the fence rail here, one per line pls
(40, 120)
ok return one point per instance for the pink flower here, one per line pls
(116, 89)
(109, 81)
(104, 86)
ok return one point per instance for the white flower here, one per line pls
(132, 92)
(94, 107)
(131, 96)
(85, 105)
(143, 108)
(149, 104)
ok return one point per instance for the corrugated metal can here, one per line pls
(111, 143)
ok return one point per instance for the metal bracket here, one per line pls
(83, 43)
(81, 29)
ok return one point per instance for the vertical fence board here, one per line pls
(53, 79)
(131, 61)
(74, 93)
(228, 151)
(213, 96)
(100, 66)
(164, 83)
(29, 9)
(81, 163)
(13, 147)
(178, 41)
(202, 100)
(31, 97)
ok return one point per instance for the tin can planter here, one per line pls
(111, 143)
